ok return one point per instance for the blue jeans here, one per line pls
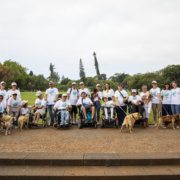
(175, 108)
(51, 111)
(64, 117)
(97, 109)
(14, 113)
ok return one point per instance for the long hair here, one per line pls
(167, 83)
(109, 86)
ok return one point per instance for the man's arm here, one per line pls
(12, 115)
(117, 101)
(45, 97)
(19, 108)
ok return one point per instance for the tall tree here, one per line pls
(81, 71)
(63, 77)
(96, 64)
(31, 73)
(53, 75)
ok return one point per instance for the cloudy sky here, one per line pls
(129, 36)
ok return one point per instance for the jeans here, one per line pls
(175, 108)
(51, 111)
(121, 114)
(97, 109)
(166, 107)
(14, 113)
(64, 117)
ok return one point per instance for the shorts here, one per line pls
(40, 112)
(74, 109)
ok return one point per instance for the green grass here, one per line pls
(30, 96)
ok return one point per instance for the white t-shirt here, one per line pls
(14, 103)
(2, 107)
(100, 96)
(5, 95)
(62, 105)
(120, 98)
(85, 101)
(51, 95)
(175, 98)
(155, 98)
(9, 93)
(166, 96)
(108, 103)
(40, 103)
(134, 99)
(73, 96)
(86, 90)
(110, 93)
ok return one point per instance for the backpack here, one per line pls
(71, 91)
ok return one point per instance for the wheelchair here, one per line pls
(109, 122)
(57, 116)
(81, 120)
(45, 119)
(141, 121)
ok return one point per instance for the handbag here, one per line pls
(126, 102)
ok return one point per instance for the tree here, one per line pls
(65, 81)
(6, 73)
(54, 76)
(96, 64)
(82, 72)
(63, 77)
(31, 73)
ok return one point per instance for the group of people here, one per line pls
(166, 101)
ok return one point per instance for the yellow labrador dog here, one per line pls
(8, 125)
(129, 120)
(23, 120)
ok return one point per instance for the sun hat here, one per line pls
(154, 82)
(24, 102)
(64, 95)
(134, 90)
(73, 83)
(97, 85)
(51, 82)
(14, 92)
(13, 84)
(2, 82)
(81, 83)
(38, 93)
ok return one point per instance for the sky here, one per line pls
(131, 36)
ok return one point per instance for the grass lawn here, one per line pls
(30, 96)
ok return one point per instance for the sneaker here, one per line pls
(155, 125)
(61, 124)
(15, 127)
(66, 124)
(98, 123)
(74, 122)
(161, 125)
(147, 125)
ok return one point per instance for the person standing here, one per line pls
(83, 89)
(144, 96)
(96, 97)
(108, 91)
(156, 101)
(166, 97)
(51, 96)
(175, 98)
(4, 93)
(13, 88)
(121, 96)
(73, 94)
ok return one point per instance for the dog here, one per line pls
(130, 120)
(7, 125)
(169, 119)
(6, 118)
(149, 96)
(23, 120)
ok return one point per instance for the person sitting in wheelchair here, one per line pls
(86, 104)
(108, 103)
(136, 102)
(63, 106)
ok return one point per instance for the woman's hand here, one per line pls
(12, 115)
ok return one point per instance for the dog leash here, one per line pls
(166, 110)
(126, 113)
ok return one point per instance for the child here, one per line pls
(25, 108)
(109, 104)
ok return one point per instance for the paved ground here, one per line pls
(106, 140)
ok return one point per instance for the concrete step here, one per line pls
(89, 159)
(89, 173)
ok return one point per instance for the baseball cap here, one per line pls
(24, 102)
(134, 90)
(97, 85)
(14, 92)
(13, 84)
(64, 95)
(81, 83)
(154, 82)
(51, 82)
(38, 93)
(73, 83)
(2, 82)
(106, 96)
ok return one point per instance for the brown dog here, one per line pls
(168, 119)
(6, 118)
(176, 116)
(149, 97)
(130, 120)
(8, 125)
(23, 120)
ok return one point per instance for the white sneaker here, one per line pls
(98, 123)
(74, 122)
(61, 124)
(66, 124)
